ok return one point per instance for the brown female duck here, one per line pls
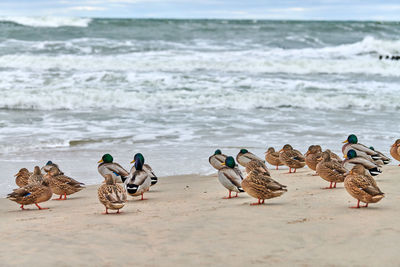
(362, 187)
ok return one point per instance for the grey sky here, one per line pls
(234, 9)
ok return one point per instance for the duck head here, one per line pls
(286, 147)
(229, 162)
(22, 172)
(352, 139)
(36, 170)
(270, 150)
(138, 160)
(107, 158)
(244, 151)
(351, 154)
(217, 152)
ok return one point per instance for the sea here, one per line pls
(73, 89)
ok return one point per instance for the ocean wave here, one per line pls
(48, 21)
(169, 92)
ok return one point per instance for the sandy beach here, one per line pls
(185, 222)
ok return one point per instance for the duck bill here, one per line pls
(344, 142)
(345, 156)
(133, 161)
(100, 161)
(223, 164)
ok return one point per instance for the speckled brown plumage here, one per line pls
(21, 178)
(395, 150)
(31, 194)
(272, 157)
(63, 185)
(362, 187)
(291, 158)
(36, 176)
(331, 170)
(257, 165)
(311, 157)
(113, 196)
(261, 186)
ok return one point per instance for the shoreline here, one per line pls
(186, 221)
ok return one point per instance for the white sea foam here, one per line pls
(48, 21)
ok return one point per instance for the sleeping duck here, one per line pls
(244, 157)
(272, 157)
(217, 159)
(291, 158)
(261, 186)
(362, 187)
(230, 177)
(351, 159)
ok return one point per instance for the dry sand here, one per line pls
(186, 222)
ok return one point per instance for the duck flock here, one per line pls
(356, 171)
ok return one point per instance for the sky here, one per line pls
(219, 9)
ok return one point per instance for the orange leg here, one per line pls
(295, 170)
(65, 196)
(22, 207)
(277, 168)
(230, 195)
(290, 170)
(366, 205)
(60, 198)
(257, 203)
(330, 186)
(41, 207)
(106, 212)
(143, 197)
(358, 205)
(334, 185)
(237, 194)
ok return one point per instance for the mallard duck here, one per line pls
(217, 159)
(33, 193)
(352, 159)
(230, 177)
(244, 157)
(257, 165)
(363, 151)
(62, 185)
(272, 157)
(112, 195)
(36, 176)
(46, 168)
(362, 187)
(384, 158)
(330, 170)
(312, 155)
(395, 150)
(107, 166)
(334, 156)
(21, 178)
(139, 181)
(146, 168)
(291, 158)
(261, 186)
